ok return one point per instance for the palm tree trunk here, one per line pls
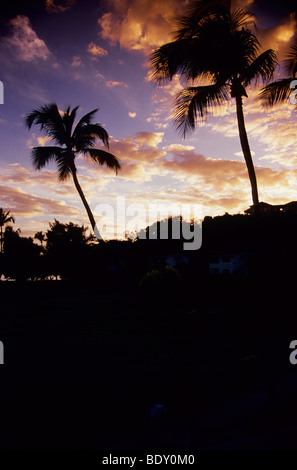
(85, 203)
(246, 150)
(1, 243)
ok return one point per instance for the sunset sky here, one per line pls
(95, 54)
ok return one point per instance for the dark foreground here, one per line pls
(83, 367)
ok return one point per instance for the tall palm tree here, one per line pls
(280, 90)
(215, 51)
(5, 218)
(70, 142)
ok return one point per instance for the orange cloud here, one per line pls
(147, 24)
(278, 38)
(51, 6)
(245, 4)
(43, 140)
(96, 51)
(140, 25)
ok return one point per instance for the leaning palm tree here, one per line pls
(215, 51)
(281, 90)
(70, 142)
(5, 218)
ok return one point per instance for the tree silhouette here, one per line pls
(67, 250)
(5, 218)
(279, 90)
(40, 236)
(21, 256)
(70, 143)
(213, 49)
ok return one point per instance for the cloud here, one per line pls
(141, 148)
(139, 25)
(96, 51)
(135, 172)
(111, 84)
(131, 115)
(162, 98)
(52, 6)
(43, 140)
(24, 43)
(178, 148)
(76, 61)
(99, 77)
(23, 204)
(228, 178)
(279, 37)
(273, 129)
(245, 4)
(151, 139)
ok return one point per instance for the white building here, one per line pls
(229, 263)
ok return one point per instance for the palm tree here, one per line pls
(70, 142)
(280, 90)
(215, 51)
(5, 218)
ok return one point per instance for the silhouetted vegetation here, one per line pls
(164, 324)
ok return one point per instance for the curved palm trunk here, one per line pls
(85, 203)
(1, 241)
(246, 150)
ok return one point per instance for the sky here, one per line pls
(95, 54)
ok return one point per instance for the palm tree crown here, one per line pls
(59, 126)
(5, 218)
(213, 49)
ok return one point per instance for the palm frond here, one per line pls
(261, 68)
(50, 121)
(194, 103)
(276, 92)
(241, 18)
(167, 60)
(5, 218)
(68, 119)
(87, 135)
(102, 157)
(291, 61)
(199, 12)
(41, 156)
(86, 119)
(65, 163)
(189, 57)
(97, 131)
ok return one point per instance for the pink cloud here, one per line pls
(111, 84)
(24, 43)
